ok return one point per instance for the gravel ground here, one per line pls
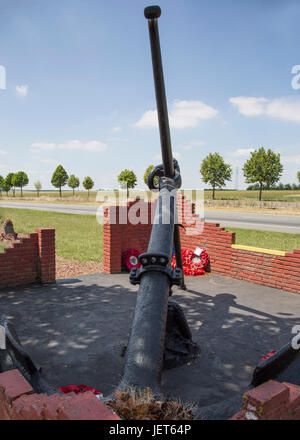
(70, 268)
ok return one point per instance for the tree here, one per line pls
(9, 180)
(1, 183)
(38, 187)
(215, 171)
(298, 175)
(88, 184)
(6, 185)
(59, 178)
(263, 167)
(127, 179)
(19, 180)
(73, 182)
(147, 172)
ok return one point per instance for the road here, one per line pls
(263, 222)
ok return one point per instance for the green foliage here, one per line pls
(150, 168)
(1, 183)
(19, 180)
(298, 176)
(59, 178)
(6, 184)
(73, 182)
(215, 171)
(9, 183)
(127, 179)
(264, 168)
(88, 184)
(38, 186)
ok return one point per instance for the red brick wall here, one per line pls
(19, 402)
(120, 237)
(280, 271)
(32, 258)
(271, 401)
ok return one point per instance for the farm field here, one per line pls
(82, 196)
(79, 237)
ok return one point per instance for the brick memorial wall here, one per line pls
(30, 258)
(262, 266)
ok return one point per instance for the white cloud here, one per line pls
(93, 146)
(3, 152)
(22, 90)
(241, 152)
(287, 109)
(293, 159)
(116, 129)
(51, 161)
(193, 143)
(182, 114)
(177, 155)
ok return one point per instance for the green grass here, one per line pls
(78, 237)
(268, 240)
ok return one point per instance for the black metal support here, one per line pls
(15, 357)
(147, 343)
(144, 361)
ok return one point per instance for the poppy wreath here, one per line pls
(192, 264)
(79, 389)
(130, 259)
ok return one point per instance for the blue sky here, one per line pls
(79, 86)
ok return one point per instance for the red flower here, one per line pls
(78, 389)
(268, 355)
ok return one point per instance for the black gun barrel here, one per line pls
(152, 13)
(145, 351)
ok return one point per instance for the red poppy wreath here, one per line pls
(130, 259)
(193, 264)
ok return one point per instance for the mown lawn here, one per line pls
(78, 237)
(264, 239)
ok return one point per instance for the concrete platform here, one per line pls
(76, 330)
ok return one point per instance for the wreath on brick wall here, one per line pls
(193, 264)
(130, 259)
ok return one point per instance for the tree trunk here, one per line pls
(21, 192)
(13, 191)
(88, 194)
(60, 191)
(73, 192)
(127, 192)
(260, 192)
(213, 194)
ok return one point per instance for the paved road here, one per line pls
(264, 222)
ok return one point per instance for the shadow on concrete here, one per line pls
(76, 331)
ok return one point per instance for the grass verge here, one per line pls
(78, 237)
(268, 240)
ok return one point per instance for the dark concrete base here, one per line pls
(76, 331)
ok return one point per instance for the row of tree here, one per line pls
(59, 179)
(13, 181)
(263, 170)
